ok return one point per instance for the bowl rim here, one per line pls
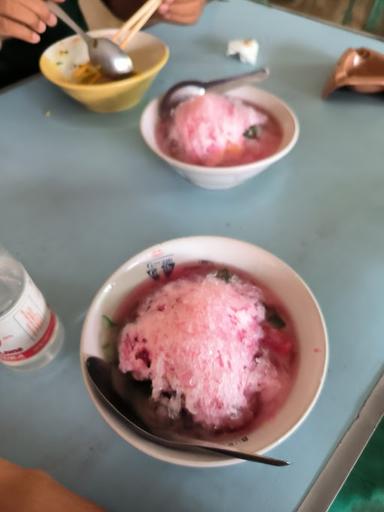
(150, 448)
(113, 83)
(234, 169)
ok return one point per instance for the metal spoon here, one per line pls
(128, 400)
(112, 60)
(185, 90)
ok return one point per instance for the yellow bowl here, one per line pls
(148, 53)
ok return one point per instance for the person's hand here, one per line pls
(25, 19)
(31, 490)
(182, 11)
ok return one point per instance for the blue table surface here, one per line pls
(80, 194)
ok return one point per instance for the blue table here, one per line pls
(79, 194)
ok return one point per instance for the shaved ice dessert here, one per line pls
(212, 344)
(216, 130)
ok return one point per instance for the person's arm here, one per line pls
(174, 11)
(31, 490)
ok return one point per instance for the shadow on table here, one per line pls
(57, 107)
(300, 68)
(309, 73)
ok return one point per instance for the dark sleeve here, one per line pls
(18, 60)
(123, 9)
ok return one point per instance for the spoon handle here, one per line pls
(226, 84)
(246, 456)
(60, 13)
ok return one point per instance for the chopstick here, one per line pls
(136, 22)
(140, 23)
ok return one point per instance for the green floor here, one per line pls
(364, 489)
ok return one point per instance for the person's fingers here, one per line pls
(185, 7)
(164, 7)
(184, 11)
(40, 8)
(20, 14)
(185, 19)
(10, 28)
(181, 3)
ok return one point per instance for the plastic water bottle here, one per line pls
(31, 334)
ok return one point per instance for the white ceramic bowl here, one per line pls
(287, 286)
(228, 177)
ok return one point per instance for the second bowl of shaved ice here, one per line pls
(219, 141)
(219, 131)
(228, 339)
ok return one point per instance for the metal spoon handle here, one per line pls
(226, 84)
(238, 455)
(60, 13)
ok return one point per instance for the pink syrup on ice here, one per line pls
(217, 131)
(275, 351)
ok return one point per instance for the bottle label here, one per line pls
(27, 327)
